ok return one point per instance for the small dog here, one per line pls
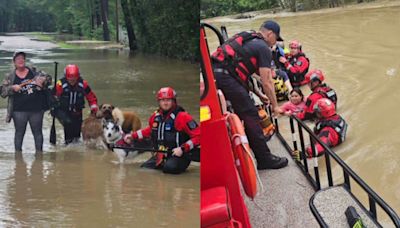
(113, 135)
(92, 131)
(128, 120)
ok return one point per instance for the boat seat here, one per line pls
(216, 209)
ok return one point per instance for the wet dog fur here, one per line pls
(92, 132)
(112, 133)
(128, 120)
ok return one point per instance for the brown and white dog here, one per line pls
(128, 120)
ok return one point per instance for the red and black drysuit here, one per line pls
(296, 68)
(172, 129)
(331, 131)
(320, 91)
(234, 62)
(71, 102)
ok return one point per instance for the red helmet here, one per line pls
(166, 93)
(314, 75)
(325, 107)
(71, 72)
(295, 44)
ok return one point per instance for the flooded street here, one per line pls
(358, 50)
(78, 187)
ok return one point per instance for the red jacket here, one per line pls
(89, 94)
(183, 123)
(331, 131)
(297, 67)
(308, 112)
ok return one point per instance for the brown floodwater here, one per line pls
(79, 187)
(358, 50)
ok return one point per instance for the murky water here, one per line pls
(76, 186)
(358, 50)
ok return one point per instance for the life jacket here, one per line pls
(73, 97)
(235, 58)
(298, 78)
(338, 124)
(163, 132)
(281, 91)
(276, 54)
(326, 92)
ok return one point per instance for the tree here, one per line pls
(129, 25)
(104, 15)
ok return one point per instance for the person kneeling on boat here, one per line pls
(330, 128)
(71, 92)
(170, 127)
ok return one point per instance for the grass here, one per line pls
(68, 46)
(52, 38)
(60, 40)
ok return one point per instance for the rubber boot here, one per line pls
(272, 162)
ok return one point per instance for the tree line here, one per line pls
(166, 27)
(213, 8)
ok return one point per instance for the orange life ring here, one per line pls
(243, 159)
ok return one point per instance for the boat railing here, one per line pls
(299, 131)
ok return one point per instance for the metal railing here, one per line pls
(348, 173)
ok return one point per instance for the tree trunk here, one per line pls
(139, 15)
(91, 17)
(129, 26)
(97, 13)
(116, 22)
(2, 22)
(293, 7)
(106, 31)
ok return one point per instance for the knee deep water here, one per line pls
(77, 186)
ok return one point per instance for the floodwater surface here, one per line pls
(80, 187)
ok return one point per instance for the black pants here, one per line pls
(35, 120)
(176, 165)
(246, 110)
(172, 165)
(72, 130)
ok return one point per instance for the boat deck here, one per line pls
(285, 200)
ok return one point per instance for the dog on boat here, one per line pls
(113, 135)
(128, 120)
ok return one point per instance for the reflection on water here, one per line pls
(75, 186)
(358, 50)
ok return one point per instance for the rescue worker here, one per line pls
(71, 92)
(234, 62)
(330, 128)
(170, 127)
(296, 64)
(319, 90)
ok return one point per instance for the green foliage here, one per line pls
(213, 8)
(166, 27)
